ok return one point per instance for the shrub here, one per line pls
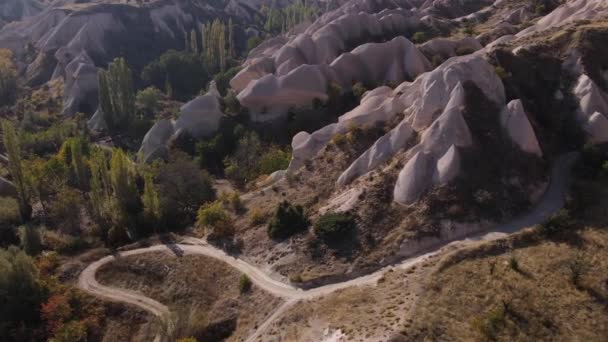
(578, 266)
(273, 160)
(437, 61)
(21, 295)
(514, 264)
(244, 283)
(419, 37)
(501, 72)
(9, 211)
(557, 223)
(215, 219)
(63, 243)
(339, 140)
(148, 101)
(463, 51)
(257, 216)
(358, 90)
(287, 221)
(491, 323)
(333, 226)
(233, 200)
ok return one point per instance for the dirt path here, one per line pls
(551, 201)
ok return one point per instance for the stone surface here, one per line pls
(413, 180)
(597, 128)
(515, 121)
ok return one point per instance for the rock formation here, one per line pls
(200, 118)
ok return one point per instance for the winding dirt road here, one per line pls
(552, 200)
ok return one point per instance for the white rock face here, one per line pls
(448, 166)
(97, 122)
(200, 118)
(570, 11)
(597, 128)
(380, 152)
(591, 98)
(324, 41)
(343, 202)
(80, 84)
(437, 93)
(413, 180)
(450, 128)
(433, 89)
(155, 141)
(515, 121)
(396, 60)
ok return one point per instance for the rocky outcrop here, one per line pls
(590, 97)
(373, 63)
(570, 11)
(80, 89)
(199, 118)
(431, 105)
(515, 121)
(597, 128)
(379, 153)
(13, 10)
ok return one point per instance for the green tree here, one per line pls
(124, 188)
(193, 41)
(21, 295)
(182, 189)
(8, 78)
(242, 167)
(150, 201)
(78, 149)
(30, 240)
(116, 94)
(231, 42)
(149, 101)
(13, 150)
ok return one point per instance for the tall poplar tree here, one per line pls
(13, 150)
(117, 94)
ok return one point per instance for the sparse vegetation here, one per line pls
(333, 227)
(244, 283)
(287, 221)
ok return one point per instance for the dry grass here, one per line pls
(524, 288)
(192, 286)
(371, 313)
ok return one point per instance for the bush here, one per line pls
(213, 218)
(244, 283)
(557, 223)
(21, 295)
(287, 221)
(419, 37)
(9, 211)
(148, 101)
(273, 160)
(233, 200)
(257, 217)
(501, 72)
(359, 89)
(332, 227)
